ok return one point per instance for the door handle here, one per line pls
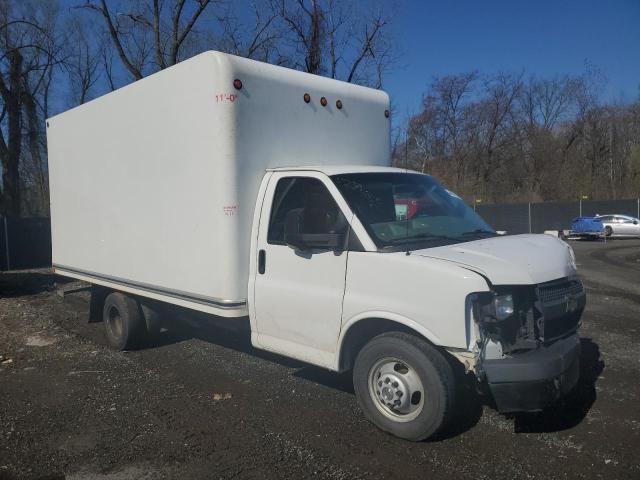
(262, 259)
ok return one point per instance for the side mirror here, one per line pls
(329, 241)
(293, 227)
(293, 236)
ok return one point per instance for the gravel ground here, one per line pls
(202, 403)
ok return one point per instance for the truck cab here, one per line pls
(343, 279)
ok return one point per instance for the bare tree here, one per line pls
(544, 105)
(83, 58)
(256, 38)
(149, 35)
(335, 39)
(496, 112)
(502, 138)
(442, 133)
(29, 50)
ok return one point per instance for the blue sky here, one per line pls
(543, 37)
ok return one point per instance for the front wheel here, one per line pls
(404, 385)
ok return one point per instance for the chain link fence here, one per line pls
(538, 217)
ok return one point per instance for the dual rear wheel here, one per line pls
(128, 323)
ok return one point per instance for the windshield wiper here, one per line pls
(478, 232)
(422, 236)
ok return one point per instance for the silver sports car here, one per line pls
(620, 225)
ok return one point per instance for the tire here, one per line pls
(124, 324)
(608, 231)
(411, 366)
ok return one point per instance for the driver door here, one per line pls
(298, 292)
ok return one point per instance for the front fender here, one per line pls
(427, 295)
(379, 314)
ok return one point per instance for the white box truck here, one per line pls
(239, 188)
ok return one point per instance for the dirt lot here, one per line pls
(205, 404)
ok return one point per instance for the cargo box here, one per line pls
(154, 186)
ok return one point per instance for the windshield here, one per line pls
(410, 210)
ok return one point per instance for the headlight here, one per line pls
(503, 306)
(495, 306)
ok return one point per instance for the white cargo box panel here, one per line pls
(154, 186)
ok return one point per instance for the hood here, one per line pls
(510, 260)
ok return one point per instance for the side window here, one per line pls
(320, 212)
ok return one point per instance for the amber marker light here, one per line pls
(339, 104)
(307, 98)
(386, 113)
(237, 83)
(323, 101)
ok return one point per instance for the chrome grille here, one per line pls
(558, 291)
(561, 303)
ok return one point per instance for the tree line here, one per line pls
(515, 137)
(503, 137)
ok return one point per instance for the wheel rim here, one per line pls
(114, 323)
(396, 389)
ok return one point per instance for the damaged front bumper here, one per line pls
(530, 381)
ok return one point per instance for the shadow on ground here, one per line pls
(565, 414)
(26, 282)
(570, 411)
(235, 334)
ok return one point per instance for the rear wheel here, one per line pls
(404, 385)
(124, 324)
(608, 231)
